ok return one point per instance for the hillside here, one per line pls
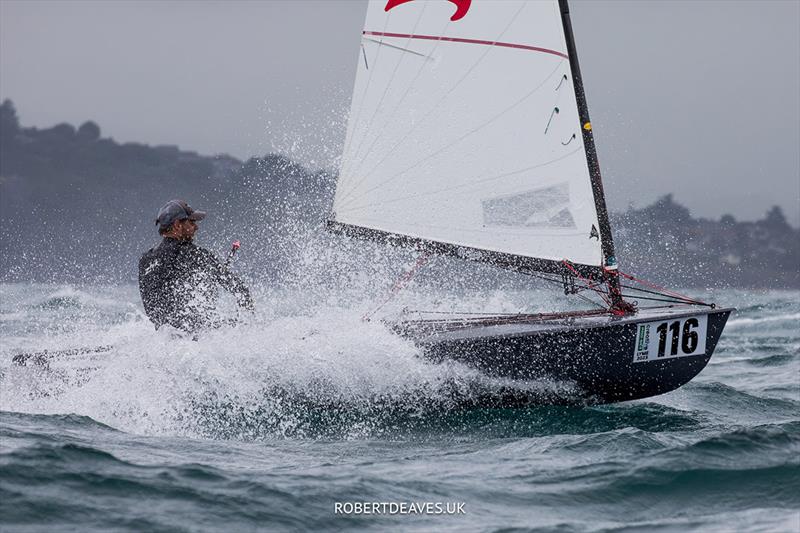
(76, 206)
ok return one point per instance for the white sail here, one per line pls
(467, 131)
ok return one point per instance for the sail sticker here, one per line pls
(546, 208)
(667, 339)
(462, 6)
(593, 234)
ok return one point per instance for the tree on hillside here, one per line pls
(89, 131)
(9, 122)
(776, 220)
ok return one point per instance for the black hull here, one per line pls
(593, 353)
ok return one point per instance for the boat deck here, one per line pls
(432, 331)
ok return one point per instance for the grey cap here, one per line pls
(177, 210)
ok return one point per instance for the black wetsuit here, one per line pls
(179, 283)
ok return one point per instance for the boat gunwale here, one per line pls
(430, 337)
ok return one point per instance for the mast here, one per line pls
(607, 242)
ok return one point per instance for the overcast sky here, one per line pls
(699, 98)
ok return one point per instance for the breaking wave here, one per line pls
(792, 319)
(323, 373)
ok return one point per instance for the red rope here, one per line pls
(590, 283)
(401, 282)
(664, 290)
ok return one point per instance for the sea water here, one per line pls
(306, 417)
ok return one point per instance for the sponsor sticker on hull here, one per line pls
(665, 339)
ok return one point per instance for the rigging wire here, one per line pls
(657, 293)
(558, 281)
(589, 282)
(673, 301)
(471, 313)
(663, 290)
(590, 285)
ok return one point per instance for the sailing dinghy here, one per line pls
(469, 136)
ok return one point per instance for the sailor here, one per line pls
(179, 281)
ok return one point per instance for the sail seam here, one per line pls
(385, 90)
(391, 115)
(433, 109)
(461, 186)
(352, 199)
(354, 130)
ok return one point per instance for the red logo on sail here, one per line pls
(462, 6)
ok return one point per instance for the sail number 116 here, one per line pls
(679, 337)
(688, 338)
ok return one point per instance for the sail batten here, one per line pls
(467, 41)
(469, 134)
